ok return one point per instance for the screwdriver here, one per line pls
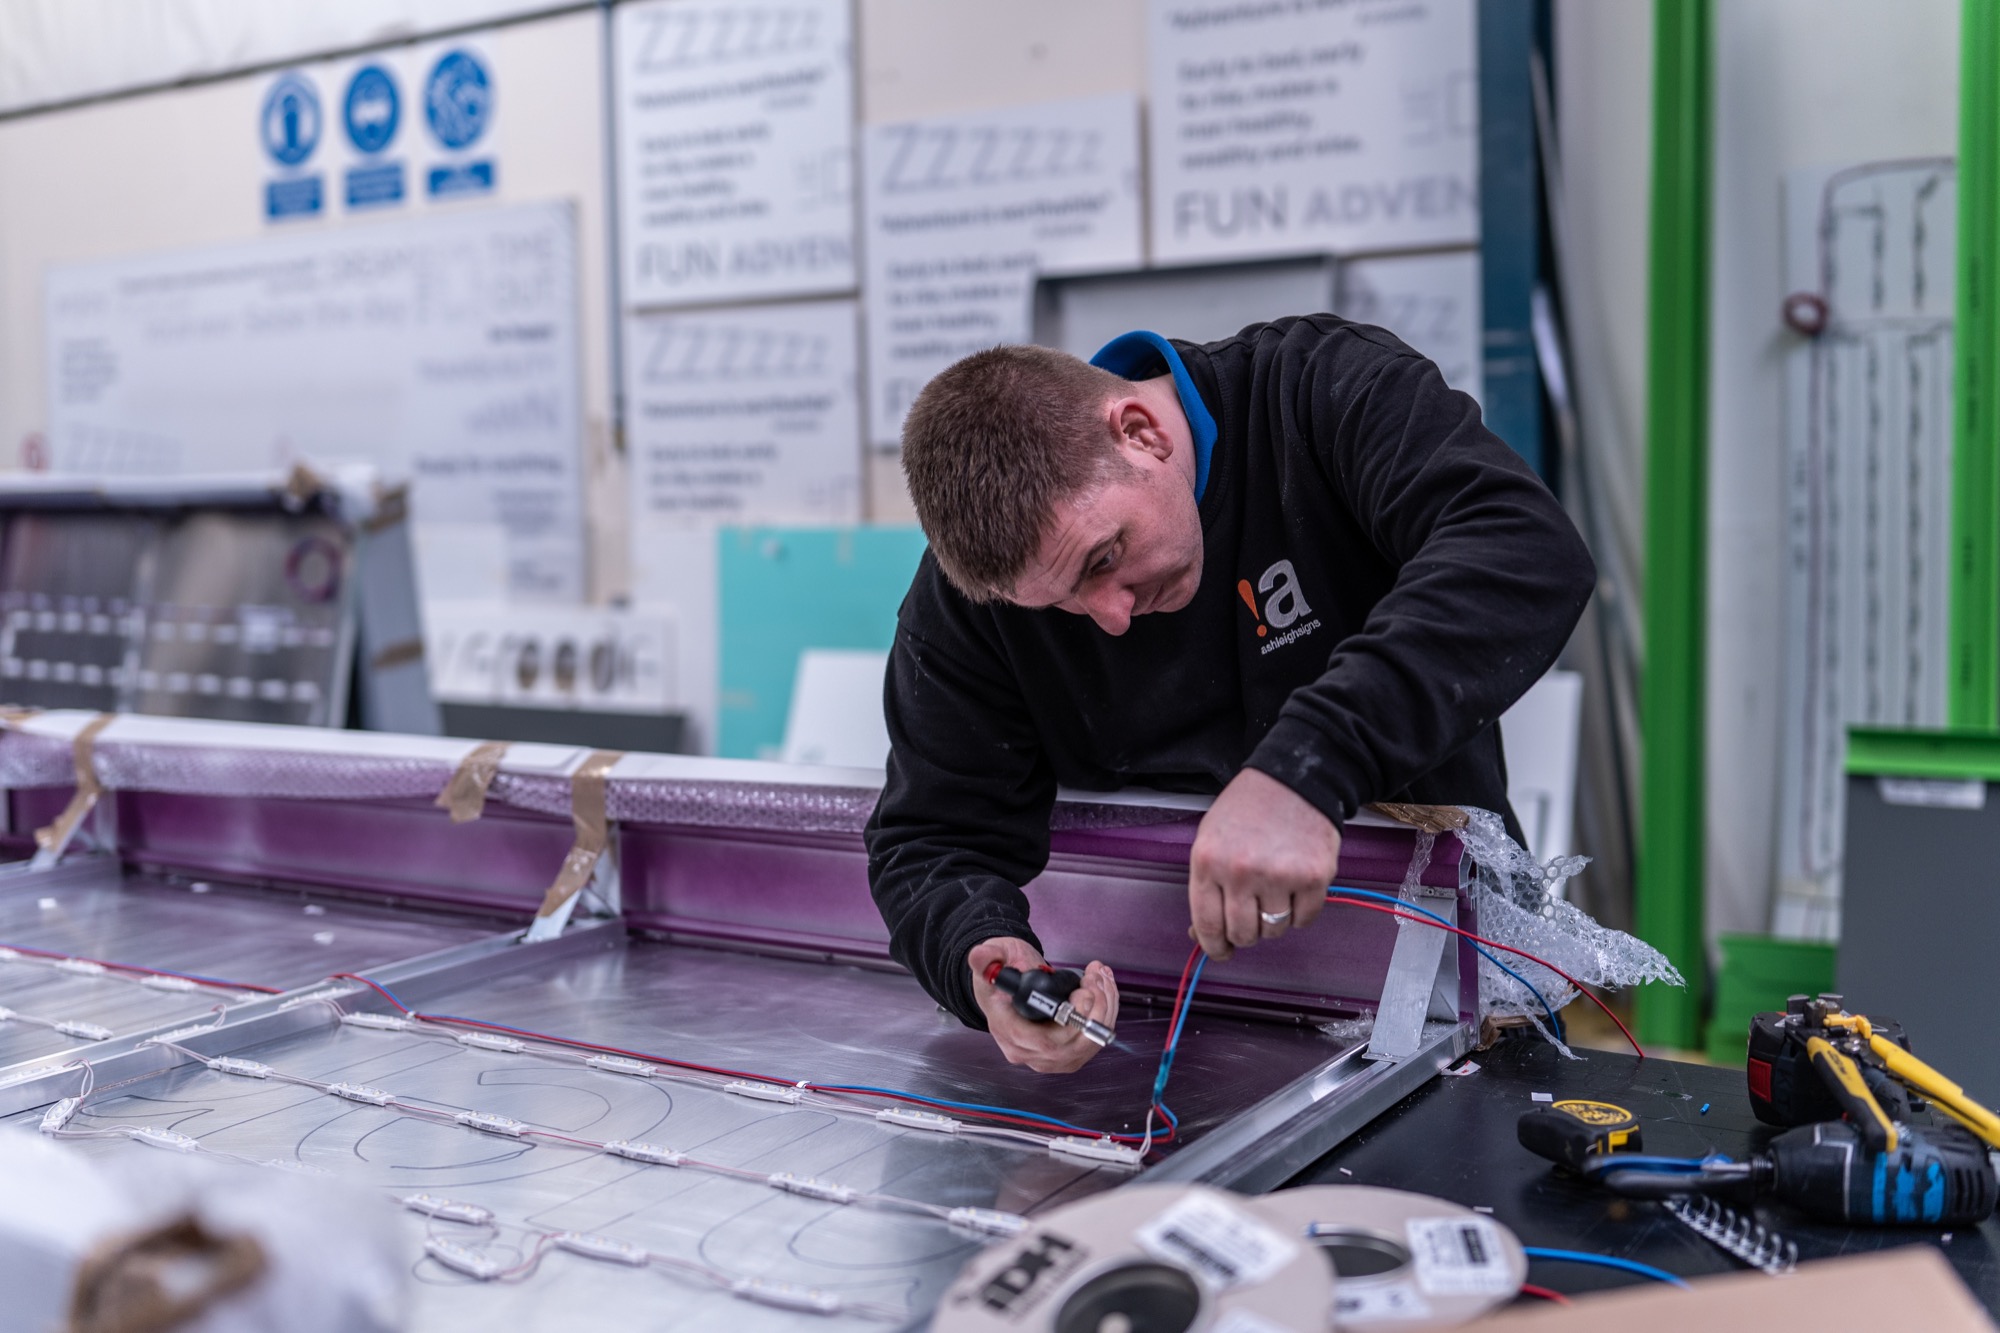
(1043, 997)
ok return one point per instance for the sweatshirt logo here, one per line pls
(1284, 605)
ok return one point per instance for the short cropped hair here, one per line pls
(990, 448)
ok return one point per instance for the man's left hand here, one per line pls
(1263, 852)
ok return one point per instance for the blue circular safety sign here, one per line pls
(290, 122)
(372, 108)
(458, 99)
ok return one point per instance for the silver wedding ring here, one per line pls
(1276, 918)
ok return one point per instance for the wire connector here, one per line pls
(601, 1247)
(446, 1210)
(812, 1188)
(490, 1124)
(297, 1168)
(766, 1092)
(461, 1260)
(326, 995)
(618, 1064)
(1097, 1150)
(377, 1022)
(988, 1221)
(181, 1034)
(229, 1064)
(57, 1117)
(785, 1296)
(486, 1041)
(357, 1092)
(651, 1153)
(908, 1119)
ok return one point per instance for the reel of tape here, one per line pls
(1144, 1259)
(1404, 1261)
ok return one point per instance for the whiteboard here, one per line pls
(442, 348)
(963, 212)
(1302, 126)
(735, 149)
(744, 416)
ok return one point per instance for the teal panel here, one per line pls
(785, 590)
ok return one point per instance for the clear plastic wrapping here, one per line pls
(1518, 904)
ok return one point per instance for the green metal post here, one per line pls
(1973, 689)
(1669, 887)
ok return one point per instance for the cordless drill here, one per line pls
(1931, 1177)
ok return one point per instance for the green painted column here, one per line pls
(1671, 713)
(1973, 688)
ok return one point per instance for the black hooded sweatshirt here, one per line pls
(1382, 576)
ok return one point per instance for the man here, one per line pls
(1290, 567)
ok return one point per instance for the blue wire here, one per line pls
(1174, 1037)
(1663, 1165)
(1484, 952)
(957, 1106)
(1604, 1261)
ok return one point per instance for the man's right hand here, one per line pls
(1046, 1048)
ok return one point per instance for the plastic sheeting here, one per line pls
(30, 759)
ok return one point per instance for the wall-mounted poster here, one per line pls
(1311, 126)
(735, 149)
(744, 416)
(965, 211)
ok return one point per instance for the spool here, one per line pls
(1404, 1261)
(1144, 1259)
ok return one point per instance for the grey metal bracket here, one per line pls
(1419, 984)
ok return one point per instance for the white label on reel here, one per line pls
(1389, 1300)
(1218, 1244)
(1459, 1256)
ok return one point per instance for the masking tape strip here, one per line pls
(586, 811)
(1424, 818)
(465, 794)
(13, 715)
(88, 788)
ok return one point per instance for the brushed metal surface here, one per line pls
(781, 1018)
(264, 937)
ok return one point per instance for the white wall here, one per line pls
(1799, 83)
(54, 51)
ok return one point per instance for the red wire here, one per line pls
(1530, 1289)
(213, 983)
(1508, 948)
(1180, 994)
(914, 1099)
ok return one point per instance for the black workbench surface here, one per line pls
(1455, 1139)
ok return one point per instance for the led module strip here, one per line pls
(69, 1027)
(167, 982)
(811, 1187)
(1100, 1151)
(474, 1262)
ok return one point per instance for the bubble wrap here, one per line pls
(1515, 898)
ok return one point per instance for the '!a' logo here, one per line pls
(1284, 606)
